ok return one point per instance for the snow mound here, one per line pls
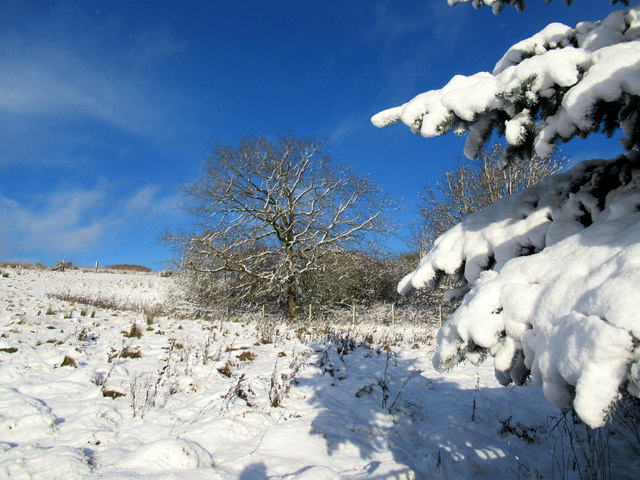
(29, 462)
(553, 273)
(169, 454)
(552, 86)
(23, 418)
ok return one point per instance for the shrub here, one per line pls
(130, 268)
(134, 332)
(225, 370)
(131, 353)
(62, 265)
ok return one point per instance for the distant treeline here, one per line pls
(67, 264)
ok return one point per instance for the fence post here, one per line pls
(393, 313)
(441, 316)
(354, 313)
(309, 317)
(264, 312)
(97, 265)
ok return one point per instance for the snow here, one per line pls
(359, 402)
(561, 73)
(550, 37)
(516, 128)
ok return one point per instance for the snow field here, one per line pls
(196, 399)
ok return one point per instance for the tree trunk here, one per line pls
(292, 305)
(292, 293)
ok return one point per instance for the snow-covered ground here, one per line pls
(95, 392)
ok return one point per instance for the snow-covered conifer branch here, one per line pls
(559, 83)
(498, 5)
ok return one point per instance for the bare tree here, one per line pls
(269, 211)
(474, 185)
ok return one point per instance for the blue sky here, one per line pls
(107, 107)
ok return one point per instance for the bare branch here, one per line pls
(472, 186)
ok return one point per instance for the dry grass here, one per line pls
(149, 310)
(112, 394)
(130, 352)
(226, 370)
(246, 357)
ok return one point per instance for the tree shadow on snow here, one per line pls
(373, 404)
(255, 471)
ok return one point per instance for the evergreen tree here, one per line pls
(552, 272)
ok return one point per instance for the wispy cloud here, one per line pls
(346, 128)
(149, 203)
(49, 82)
(432, 21)
(77, 221)
(46, 75)
(156, 45)
(430, 30)
(57, 223)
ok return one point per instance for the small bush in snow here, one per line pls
(134, 332)
(130, 268)
(69, 362)
(130, 352)
(247, 356)
(225, 370)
